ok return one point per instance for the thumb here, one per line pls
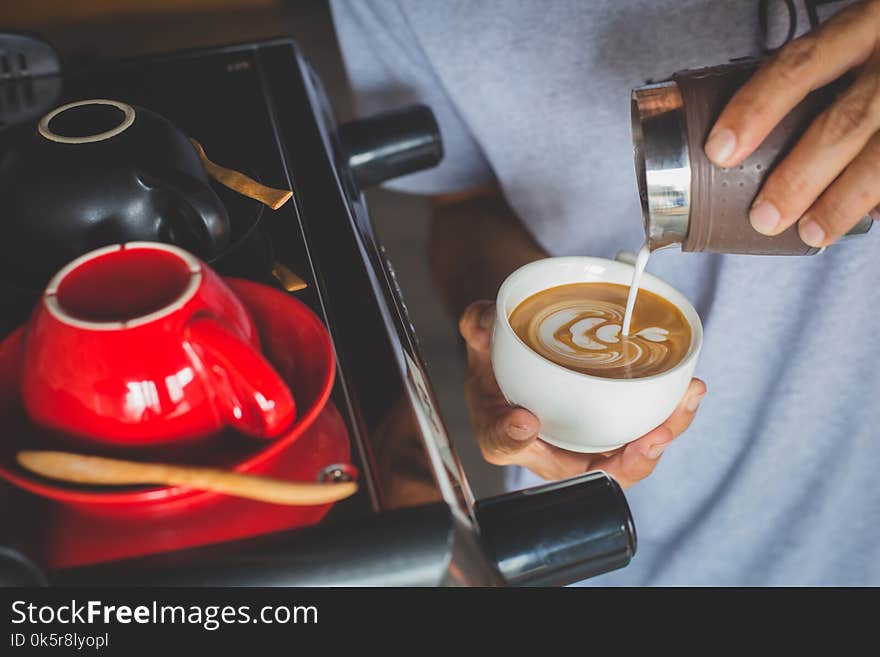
(508, 435)
(475, 325)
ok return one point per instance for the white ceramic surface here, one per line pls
(577, 411)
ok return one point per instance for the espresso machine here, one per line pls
(261, 108)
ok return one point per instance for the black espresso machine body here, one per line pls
(414, 520)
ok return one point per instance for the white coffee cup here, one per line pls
(580, 412)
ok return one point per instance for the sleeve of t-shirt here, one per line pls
(387, 69)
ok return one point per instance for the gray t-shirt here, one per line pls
(776, 481)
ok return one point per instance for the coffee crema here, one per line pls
(578, 326)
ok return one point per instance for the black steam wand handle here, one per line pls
(391, 144)
(560, 532)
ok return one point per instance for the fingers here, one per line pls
(475, 325)
(552, 463)
(506, 435)
(502, 431)
(627, 465)
(833, 140)
(634, 463)
(638, 459)
(686, 410)
(805, 64)
(839, 147)
(853, 195)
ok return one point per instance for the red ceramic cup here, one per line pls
(142, 344)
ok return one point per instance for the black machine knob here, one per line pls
(17, 570)
(391, 144)
(30, 78)
(17, 565)
(560, 532)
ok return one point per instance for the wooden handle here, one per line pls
(238, 182)
(290, 281)
(82, 469)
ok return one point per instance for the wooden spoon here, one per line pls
(290, 281)
(238, 182)
(82, 469)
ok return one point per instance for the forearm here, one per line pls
(476, 241)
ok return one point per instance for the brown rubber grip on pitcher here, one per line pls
(721, 198)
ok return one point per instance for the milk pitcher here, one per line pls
(686, 199)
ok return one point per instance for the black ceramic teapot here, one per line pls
(98, 172)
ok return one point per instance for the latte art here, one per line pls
(579, 326)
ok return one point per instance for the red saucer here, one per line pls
(293, 339)
(59, 535)
(64, 526)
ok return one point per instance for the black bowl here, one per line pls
(101, 172)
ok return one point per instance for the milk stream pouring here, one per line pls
(686, 199)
